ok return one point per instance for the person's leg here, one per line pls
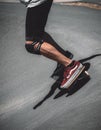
(35, 24)
(47, 38)
(51, 52)
(72, 69)
(36, 19)
(57, 72)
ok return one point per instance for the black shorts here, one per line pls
(36, 19)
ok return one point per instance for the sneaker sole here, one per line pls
(67, 85)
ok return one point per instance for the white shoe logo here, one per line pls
(72, 71)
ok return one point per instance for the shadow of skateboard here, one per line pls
(82, 79)
(79, 83)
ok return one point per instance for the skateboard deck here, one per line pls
(79, 77)
(82, 79)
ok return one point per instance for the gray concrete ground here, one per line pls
(25, 78)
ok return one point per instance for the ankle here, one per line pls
(71, 64)
(68, 63)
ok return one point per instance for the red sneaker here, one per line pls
(71, 73)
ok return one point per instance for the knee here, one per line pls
(29, 48)
(34, 47)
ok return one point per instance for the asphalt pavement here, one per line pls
(25, 79)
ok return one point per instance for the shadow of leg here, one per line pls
(82, 80)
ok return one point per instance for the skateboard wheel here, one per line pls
(86, 73)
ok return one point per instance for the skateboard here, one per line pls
(84, 73)
(81, 80)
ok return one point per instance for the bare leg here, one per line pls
(51, 52)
